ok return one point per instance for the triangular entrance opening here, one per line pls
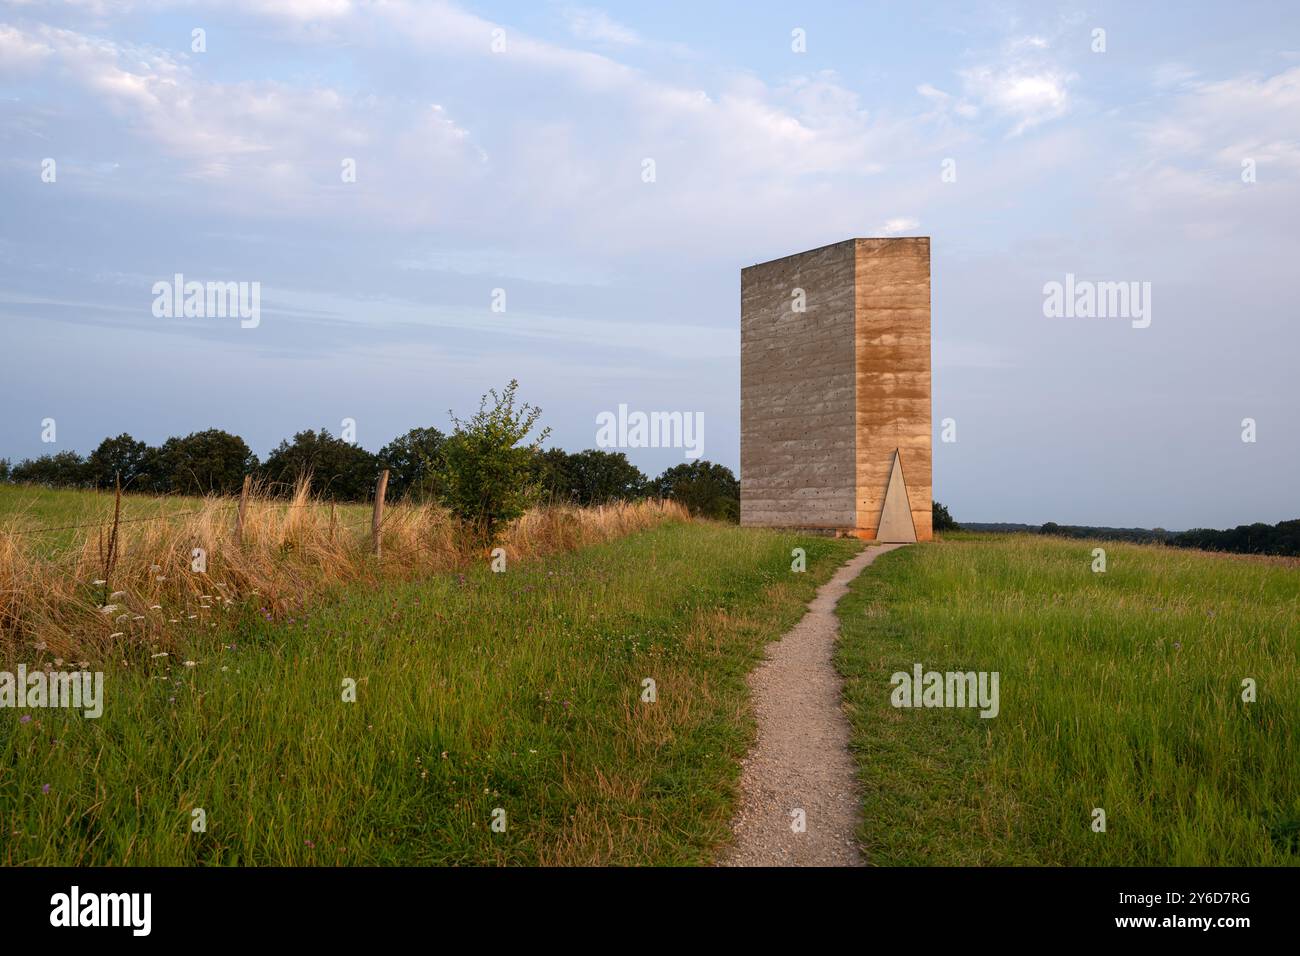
(896, 514)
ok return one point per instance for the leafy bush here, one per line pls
(486, 471)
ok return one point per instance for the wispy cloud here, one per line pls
(899, 225)
(1024, 94)
(587, 23)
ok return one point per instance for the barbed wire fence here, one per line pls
(377, 521)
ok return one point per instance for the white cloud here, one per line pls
(302, 10)
(1025, 95)
(1189, 172)
(20, 52)
(1023, 83)
(586, 23)
(730, 159)
(899, 225)
(267, 141)
(1170, 75)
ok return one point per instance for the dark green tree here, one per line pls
(207, 462)
(122, 456)
(1280, 539)
(339, 470)
(415, 463)
(942, 519)
(66, 469)
(596, 477)
(549, 473)
(707, 489)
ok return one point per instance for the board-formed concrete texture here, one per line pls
(829, 394)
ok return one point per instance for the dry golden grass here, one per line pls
(101, 598)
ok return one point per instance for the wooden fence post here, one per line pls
(378, 518)
(111, 558)
(243, 505)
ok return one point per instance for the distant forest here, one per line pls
(1282, 538)
(215, 462)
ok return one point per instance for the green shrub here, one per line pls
(486, 471)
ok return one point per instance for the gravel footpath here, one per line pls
(801, 761)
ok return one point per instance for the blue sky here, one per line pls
(522, 170)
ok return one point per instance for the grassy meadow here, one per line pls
(476, 692)
(177, 564)
(28, 510)
(322, 705)
(1119, 690)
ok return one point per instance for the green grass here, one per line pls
(55, 519)
(518, 691)
(28, 508)
(1119, 690)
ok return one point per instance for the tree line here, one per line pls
(424, 464)
(1282, 538)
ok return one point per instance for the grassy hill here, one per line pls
(475, 692)
(1119, 690)
(517, 697)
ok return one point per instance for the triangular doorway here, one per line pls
(896, 514)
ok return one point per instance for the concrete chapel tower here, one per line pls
(835, 390)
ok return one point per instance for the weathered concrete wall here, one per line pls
(828, 394)
(798, 387)
(893, 377)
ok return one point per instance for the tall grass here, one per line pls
(1120, 691)
(522, 691)
(92, 601)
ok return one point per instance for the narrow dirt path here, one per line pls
(801, 761)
